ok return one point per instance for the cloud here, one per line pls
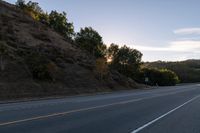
(149, 48)
(179, 49)
(186, 45)
(187, 31)
(175, 46)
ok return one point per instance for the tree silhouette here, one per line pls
(127, 61)
(20, 3)
(90, 40)
(59, 22)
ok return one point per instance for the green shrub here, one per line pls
(161, 77)
(55, 20)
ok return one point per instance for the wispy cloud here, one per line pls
(175, 46)
(186, 45)
(149, 48)
(179, 49)
(187, 31)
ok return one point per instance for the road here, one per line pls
(161, 110)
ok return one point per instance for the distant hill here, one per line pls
(188, 71)
(37, 61)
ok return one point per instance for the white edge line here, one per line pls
(153, 121)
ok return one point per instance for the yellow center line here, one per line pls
(67, 112)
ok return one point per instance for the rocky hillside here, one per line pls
(37, 61)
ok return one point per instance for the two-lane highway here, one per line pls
(162, 110)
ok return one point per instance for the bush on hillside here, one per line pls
(188, 71)
(55, 20)
(40, 67)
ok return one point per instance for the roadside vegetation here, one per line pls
(158, 77)
(188, 71)
(125, 60)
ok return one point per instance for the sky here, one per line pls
(167, 30)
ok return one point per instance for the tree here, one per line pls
(112, 51)
(21, 4)
(101, 51)
(31, 6)
(127, 61)
(101, 68)
(44, 18)
(34, 10)
(55, 20)
(34, 6)
(90, 40)
(59, 22)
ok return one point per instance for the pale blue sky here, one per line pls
(161, 29)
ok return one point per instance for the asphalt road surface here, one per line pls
(161, 110)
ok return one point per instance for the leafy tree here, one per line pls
(90, 40)
(59, 22)
(101, 68)
(44, 18)
(34, 6)
(34, 10)
(55, 20)
(112, 51)
(127, 61)
(21, 3)
(101, 51)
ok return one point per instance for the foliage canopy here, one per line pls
(90, 40)
(125, 60)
